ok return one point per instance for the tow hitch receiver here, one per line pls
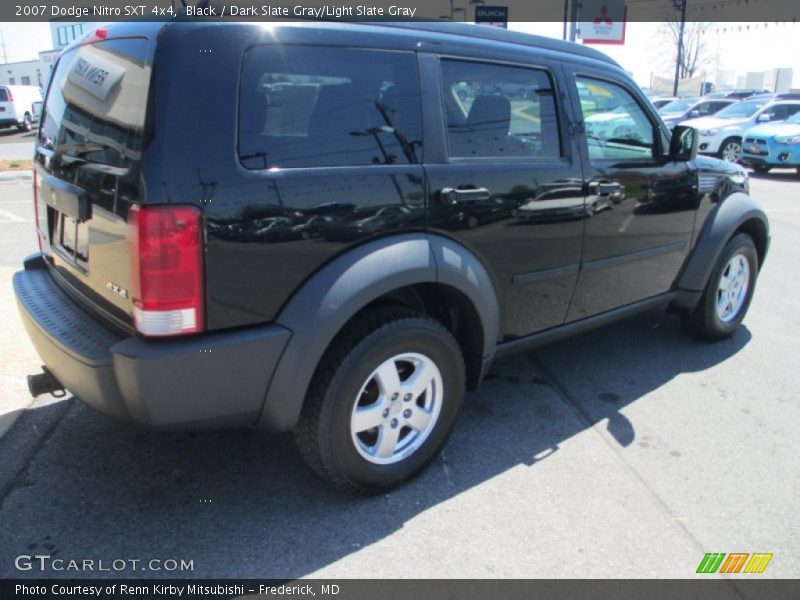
(45, 383)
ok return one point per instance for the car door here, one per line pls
(640, 206)
(504, 152)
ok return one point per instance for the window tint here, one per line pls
(499, 111)
(316, 107)
(3, 95)
(616, 126)
(96, 102)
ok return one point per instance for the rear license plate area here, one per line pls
(72, 237)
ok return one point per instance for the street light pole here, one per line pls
(680, 47)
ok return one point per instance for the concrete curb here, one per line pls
(15, 176)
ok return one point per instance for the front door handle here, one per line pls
(456, 196)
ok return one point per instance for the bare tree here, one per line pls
(694, 45)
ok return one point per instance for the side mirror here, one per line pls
(693, 114)
(763, 118)
(683, 144)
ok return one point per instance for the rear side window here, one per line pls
(96, 102)
(3, 95)
(303, 106)
(499, 111)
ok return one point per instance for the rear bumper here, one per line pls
(208, 381)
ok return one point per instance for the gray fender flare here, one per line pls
(333, 295)
(720, 225)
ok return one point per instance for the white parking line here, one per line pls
(8, 217)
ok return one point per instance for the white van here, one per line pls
(19, 106)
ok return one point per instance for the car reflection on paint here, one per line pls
(313, 227)
(373, 220)
(561, 203)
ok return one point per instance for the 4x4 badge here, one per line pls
(117, 289)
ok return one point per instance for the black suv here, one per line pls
(336, 228)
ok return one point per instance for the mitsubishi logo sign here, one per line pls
(602, 21)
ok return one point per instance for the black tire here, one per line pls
(323, 434)
(27, 123)
(704, 321)
(726, 142)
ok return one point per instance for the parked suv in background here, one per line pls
(722, 133)
(151, 300)
(678, 111)
(19, 106)
(773, 145)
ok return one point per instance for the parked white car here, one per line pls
(722, 133)
(19, 106)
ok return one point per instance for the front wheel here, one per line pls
(383, 401)
(728, 292)
(731, 150)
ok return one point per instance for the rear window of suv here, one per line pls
(303, 106)
(96, 102)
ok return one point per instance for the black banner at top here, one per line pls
(387, 10)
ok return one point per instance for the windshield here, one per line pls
(677, 106)
(740, 110)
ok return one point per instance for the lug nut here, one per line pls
(407, 413)
(394, 423)
(386, 413)
(407, 397)
(395, 395)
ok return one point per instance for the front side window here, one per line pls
(781, 112)
(499, 111)
(308, 106)
(616, 126)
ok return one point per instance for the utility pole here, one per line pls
(573, 19)
(3, 44)
(680, 46)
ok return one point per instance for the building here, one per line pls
(63, 33)
(28, 72)
(37, 72)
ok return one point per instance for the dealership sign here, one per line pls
(602, 21)
(496, 16)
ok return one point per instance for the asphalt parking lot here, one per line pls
(629, 451)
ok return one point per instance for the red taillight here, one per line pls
(10, 95)
(167, 269)
(101, 34)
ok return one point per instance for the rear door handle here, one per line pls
(456, 196)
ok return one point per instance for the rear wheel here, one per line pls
(27, 123)
(728, 292)
(383, 401)
(731, 150)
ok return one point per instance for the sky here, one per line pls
(763, 47)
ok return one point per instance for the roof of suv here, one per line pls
(497, 34)
(466, 31)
